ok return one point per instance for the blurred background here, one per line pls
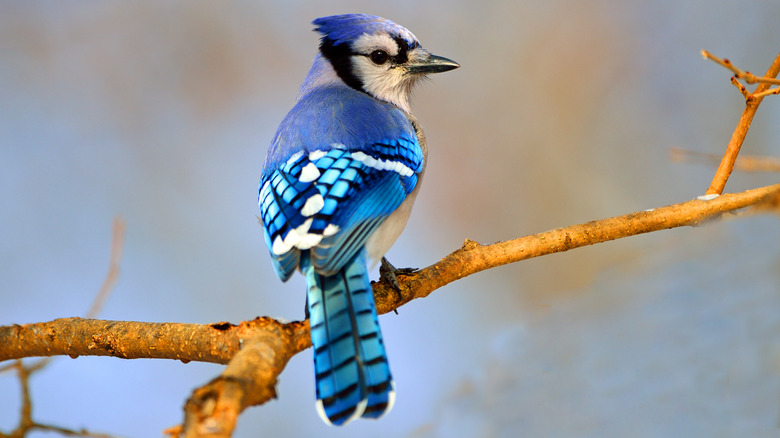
(563, 112)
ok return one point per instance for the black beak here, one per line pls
(434, 64)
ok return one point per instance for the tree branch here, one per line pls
(257, 351)
(215, 343)
(249, 380)
(473, 257)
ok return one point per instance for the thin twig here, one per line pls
(775, 90)
(746, 76)
(735, 82)
(751, 106)
(117, 244)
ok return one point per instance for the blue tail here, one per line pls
(351, 371)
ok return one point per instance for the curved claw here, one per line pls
(389, 273)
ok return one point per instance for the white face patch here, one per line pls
(380, 164)
(388, 81)
(366, 44)
(384, 82)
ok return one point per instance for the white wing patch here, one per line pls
(313, 205)
(294, 157)
(330, 230)
(380, 164)
(309, 172)
(297, 237)
(316, 155)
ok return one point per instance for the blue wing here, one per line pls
(352, 169)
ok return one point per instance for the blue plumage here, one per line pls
(350, 365)
(336, 189)
(347, 28)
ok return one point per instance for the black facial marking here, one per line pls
(339, 57)
(403, 49)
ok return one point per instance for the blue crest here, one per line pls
(346, 28)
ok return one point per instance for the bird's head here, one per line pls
(377, 56)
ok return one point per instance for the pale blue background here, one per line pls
(563, 112)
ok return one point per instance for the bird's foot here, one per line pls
(389, 273)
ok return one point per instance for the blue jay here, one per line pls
(337, 188)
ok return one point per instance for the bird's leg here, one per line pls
(389, 273)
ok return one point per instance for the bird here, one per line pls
(336, 190)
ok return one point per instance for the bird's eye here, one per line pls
(379, 57)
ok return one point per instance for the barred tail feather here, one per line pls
(351, 370)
